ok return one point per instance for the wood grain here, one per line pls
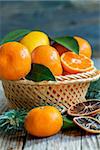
(62, 141)
(10, 143)
(90, 142)
(3, 100)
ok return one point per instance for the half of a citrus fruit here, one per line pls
(88, 124)
(86, 108)
(74, 63)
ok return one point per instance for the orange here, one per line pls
(15, 61)
(61, 49)
(74, 63)
(43, 121)
(49, 57)
(35, 39)
(84, 46)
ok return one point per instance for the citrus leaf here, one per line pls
(15, 35)
(39, 73)
(68, 123)
(68, 42)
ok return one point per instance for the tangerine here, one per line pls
(49, 57)
(84, 47)
(43, 121)
(15, 61)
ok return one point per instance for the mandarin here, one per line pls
(43, 121)
(49, 57)
(15, 61)
(84, 47)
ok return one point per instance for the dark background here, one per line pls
(56, 18)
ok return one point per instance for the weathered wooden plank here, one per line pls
(3, 101)
(8, 142)
(69, 140)
(90, 142)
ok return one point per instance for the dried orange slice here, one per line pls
(85, 108)
(88, 124)
(74, 63)
(96, 116)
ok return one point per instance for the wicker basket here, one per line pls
(64, 92)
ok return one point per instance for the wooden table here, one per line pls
(68, 140)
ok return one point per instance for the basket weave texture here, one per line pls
(62, 93)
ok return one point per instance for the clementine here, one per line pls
(49, 57)
(43, 121)
(15, 61)
(74, 63)
(84, 47)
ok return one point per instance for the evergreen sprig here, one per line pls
(13, 120)
(94, 90)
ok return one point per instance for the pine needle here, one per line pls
(12, 121)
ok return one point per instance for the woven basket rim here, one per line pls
(67, 79)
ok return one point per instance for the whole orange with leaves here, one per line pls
(84, 47)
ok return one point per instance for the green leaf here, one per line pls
(39, 73)
(68, 123)
(68, 42)
(94, 90)
(15, 35)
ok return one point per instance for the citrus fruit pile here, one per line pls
(17, 57)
